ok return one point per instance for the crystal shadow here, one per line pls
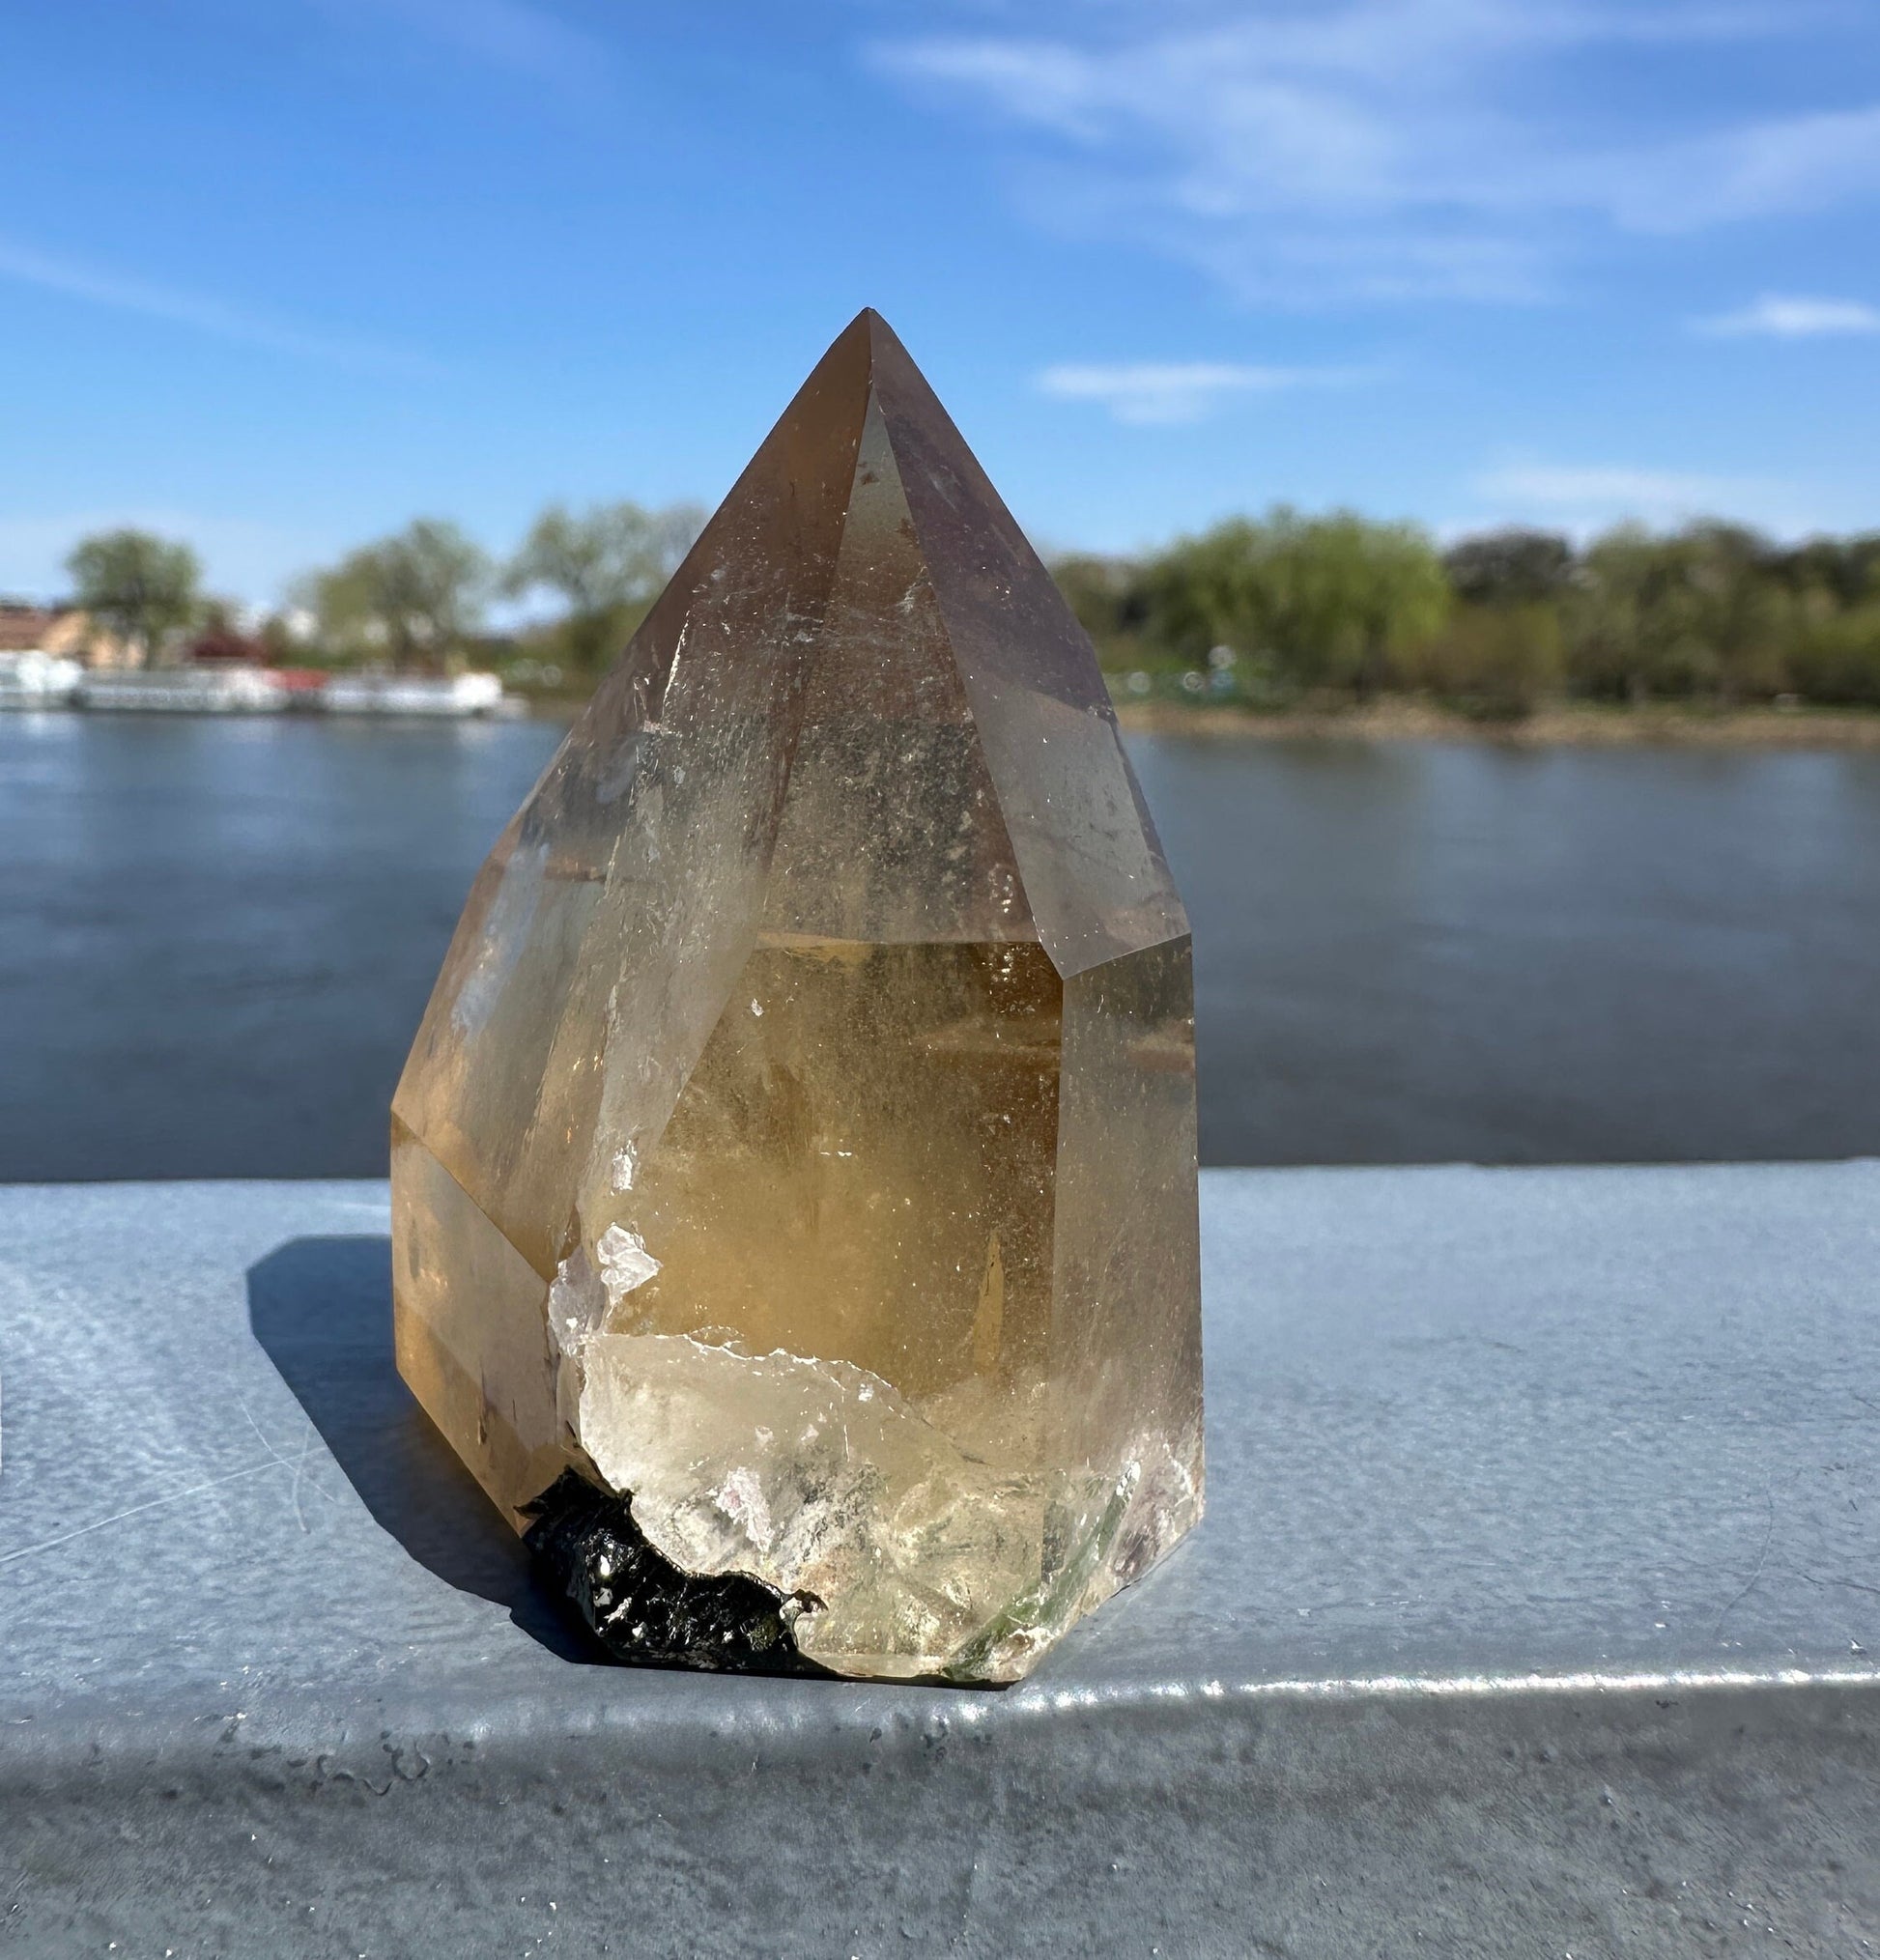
(321, 1309)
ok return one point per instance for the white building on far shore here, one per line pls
(64, 632)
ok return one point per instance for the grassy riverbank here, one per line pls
(1576, 723)
(1400, 718)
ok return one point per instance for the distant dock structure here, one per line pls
(31, 679)
(461, 696)
(186, 690)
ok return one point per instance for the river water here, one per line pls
(217, 937)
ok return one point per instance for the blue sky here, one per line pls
(278, 276)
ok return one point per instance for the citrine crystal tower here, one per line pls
(793, 1176)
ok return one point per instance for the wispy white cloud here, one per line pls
(1164, 392)
(1583, 497)
(1648, 492)
(1778, 317)
(1379, 148)
(26, 265)
(1771, 167)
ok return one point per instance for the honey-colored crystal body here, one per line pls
(800, 1141)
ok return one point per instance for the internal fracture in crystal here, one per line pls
(794, 1173)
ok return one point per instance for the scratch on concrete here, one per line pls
(269, 1462)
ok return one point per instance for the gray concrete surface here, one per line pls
(1537, 1612)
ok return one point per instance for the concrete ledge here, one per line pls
(1535, 1612)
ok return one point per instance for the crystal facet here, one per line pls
(794, 1174)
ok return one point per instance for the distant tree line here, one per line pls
(418, 599)
(422, 596)
(1272, 612)
(1278, 611)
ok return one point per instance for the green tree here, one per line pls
(1333, 602)
(607, 564)
(411, 599)
(1100, 591)
(1831, 572)
(143, 588)
(1509, 567)
(1496, 661)
(1698, 613)
(1838, 658)
(1211, 590)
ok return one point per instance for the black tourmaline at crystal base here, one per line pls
(642, 1607)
